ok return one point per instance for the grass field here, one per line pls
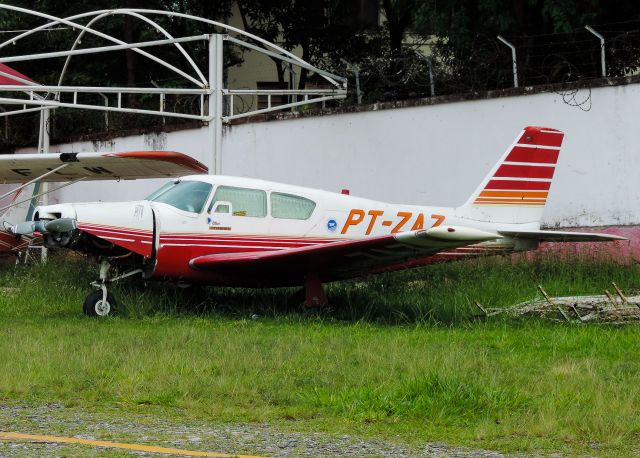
(399, 356)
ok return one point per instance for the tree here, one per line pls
(324, 30)
(466, 33)
(400, 15)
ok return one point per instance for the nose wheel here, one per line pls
(99, 304)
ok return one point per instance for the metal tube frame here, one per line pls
(30, 94)
(99, 49)
(44, 193)
(35, 180)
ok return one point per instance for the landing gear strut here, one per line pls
(101, 302)
(314, 292)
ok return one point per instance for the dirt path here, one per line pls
(262, 440)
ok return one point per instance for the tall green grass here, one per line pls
(443, 293)
(398, 356)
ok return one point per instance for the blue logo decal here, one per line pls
(332, 225)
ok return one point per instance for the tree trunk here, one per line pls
(248, 28)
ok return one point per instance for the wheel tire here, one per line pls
(93, 305)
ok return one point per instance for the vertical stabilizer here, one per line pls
(516, 189)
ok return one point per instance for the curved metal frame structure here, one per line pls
(32, 97)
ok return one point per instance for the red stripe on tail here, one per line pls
(519, 185)
(542, 136)
(524, 171)
(535, 155)
(527, 167)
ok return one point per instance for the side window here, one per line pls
(290, 206)
(243, 201)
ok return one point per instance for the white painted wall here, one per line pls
(424, 155)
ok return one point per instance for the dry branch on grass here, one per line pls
(9, 292)
(606, 308)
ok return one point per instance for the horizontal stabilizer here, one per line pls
(560, 236)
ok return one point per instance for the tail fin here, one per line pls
(516, 189)
(22, 211)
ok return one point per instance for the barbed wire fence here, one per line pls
(570, 62)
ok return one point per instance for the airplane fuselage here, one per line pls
(241, 215)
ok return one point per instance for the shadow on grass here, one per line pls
(442, 294)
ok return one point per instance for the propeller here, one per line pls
(59, 226)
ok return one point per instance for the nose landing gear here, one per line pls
(101, 302)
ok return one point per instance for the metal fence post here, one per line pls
(215, 102)
(602, 54)
(43, 148)
(431, 82)
(356, 73)
(513, 57)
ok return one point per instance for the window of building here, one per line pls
(290, 206)
(189, 196)
(244, 202)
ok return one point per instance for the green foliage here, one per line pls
(472, 59)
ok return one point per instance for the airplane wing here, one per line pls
(129, 165)
(335, 260)
(560, 236)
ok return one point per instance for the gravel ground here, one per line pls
(254, 439)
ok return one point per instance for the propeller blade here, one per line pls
(24, 228)
(60, 225)
(56, 226)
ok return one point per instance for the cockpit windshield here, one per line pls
(189, 196)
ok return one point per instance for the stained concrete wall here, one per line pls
(431, 154)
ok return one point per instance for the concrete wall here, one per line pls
(426, 154)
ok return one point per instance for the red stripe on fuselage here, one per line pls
(139, 241)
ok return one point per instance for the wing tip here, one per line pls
(166, 156)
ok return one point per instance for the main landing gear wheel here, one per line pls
(95, 305)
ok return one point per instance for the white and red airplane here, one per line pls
(34, 169)
(221, 230)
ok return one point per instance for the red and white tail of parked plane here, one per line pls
(516, 189)
(221, 230)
